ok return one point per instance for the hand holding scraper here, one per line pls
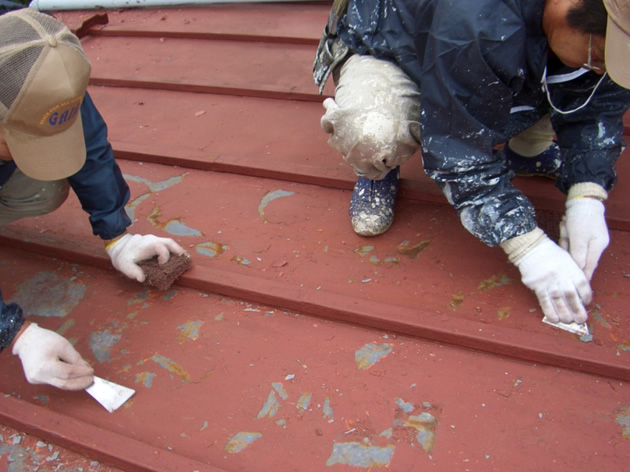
(49, 358)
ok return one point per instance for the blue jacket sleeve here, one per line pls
(467, 88)
(591, 139)
(99, 185)
(11, 320)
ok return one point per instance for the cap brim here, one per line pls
(617, 54)
(47, 158)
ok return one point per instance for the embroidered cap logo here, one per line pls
(43, 78)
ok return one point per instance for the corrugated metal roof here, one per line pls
(294, 344)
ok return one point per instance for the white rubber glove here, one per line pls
(49, 358)
(583, 229)
(560, 285)
(128, 250)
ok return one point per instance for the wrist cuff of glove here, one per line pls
(587, 190)
(517, 247)
(17, 343)
(112, 242)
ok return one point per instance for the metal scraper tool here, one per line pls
(112, 396)
(575, 328)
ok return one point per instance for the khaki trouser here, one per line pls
(22, 196)
(534, 140)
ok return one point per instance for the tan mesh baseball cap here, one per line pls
(43, 77)
(618, 41)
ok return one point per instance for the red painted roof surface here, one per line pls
(294, 344)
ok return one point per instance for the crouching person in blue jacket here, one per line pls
(488, 89)
(52, 139)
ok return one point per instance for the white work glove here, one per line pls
(128, 250)
(560, 285)
(49, 358)
(583, 229)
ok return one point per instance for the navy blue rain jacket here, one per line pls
(101, 189)
(480, 67)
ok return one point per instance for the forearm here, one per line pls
(490, 208)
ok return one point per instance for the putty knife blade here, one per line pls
(112, 396)
(575, 328)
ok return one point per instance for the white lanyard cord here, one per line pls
(566, 112)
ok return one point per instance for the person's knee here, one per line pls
(374, 119)
(54, 194)
(372, 142)
(28, 197)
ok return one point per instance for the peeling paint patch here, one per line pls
(405, 406)
(170, 294)
(130, 208)
(145, 378)
(189, 330)
(304, 402)
(422, 426)
(210, 248)
(361, 455)
(503, 312)
(140, 298)
(270, 408)
(157, 186)
(412, 251)
(47, 294)
(456, 301)
(370, 354)
(101, 344)
(327, 411)
(282, 393)
(623, 420)
(241, 441)
(495, 281)
(425, 424)
(387, 434)
(597, 315)
(177, 228)
(171, 366)
(17, 458)
(241, 260)
(392, 260)
(268, 198)
(364, 250)
(66, 325)
(173, 226)
(42, 399)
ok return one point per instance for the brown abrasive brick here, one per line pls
(162, 276)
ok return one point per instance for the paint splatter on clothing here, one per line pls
(480, 67)
(11, 320)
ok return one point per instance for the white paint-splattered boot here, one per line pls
(372, 204)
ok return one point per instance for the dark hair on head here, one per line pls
(589, 17)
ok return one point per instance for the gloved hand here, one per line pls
(48, 358)
(128, 250)
(583, 232)
(560, 285)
